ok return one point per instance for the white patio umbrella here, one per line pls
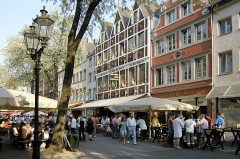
(7, 98)
(31, 113)
(152, 103)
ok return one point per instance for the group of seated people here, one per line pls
(22, 134)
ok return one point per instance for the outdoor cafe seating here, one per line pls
(214, 138)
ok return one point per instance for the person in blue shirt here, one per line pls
(219, 122)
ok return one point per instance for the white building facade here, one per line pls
(226, 61)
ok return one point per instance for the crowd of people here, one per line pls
(177, 125)
(119, 126)
(20, 129)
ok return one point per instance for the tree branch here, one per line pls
(76, 19)
(86, 21)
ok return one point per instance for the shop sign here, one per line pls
(180, 93)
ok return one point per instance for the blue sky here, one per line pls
(15, 14)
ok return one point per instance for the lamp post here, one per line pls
(36, 40)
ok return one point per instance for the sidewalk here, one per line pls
(107, 148)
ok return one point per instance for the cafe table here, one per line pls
(214, 138)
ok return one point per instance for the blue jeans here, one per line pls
(115, 133)
(170, 136)
(132, 130)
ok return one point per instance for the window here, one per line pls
(201, 31)
(117, 28)
(131, 44)
(186, 9)
(132, 76)
(90, 77)
(94, 77)
(186, 70)
(89, 94)
(171, 74)
(121, 48)
(225, 63)
(84, 75)
(201, 67)
(225, 26)
(142, 73)
(187, 39)
(159, 76)
(160, 47)
(141, 39)
(171, 17)
(135, 17)
(171, 42)
(90, 61)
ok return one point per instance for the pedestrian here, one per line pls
(95, 122)
(89, 127)
(82, 125)
(73, 125)
(131, 124)
(178, 124)
(123, 129)
(210, 121)
(143, 127)
(189, 130)
(170, 130)
(219, 122)
(115, 123)
(202, 124)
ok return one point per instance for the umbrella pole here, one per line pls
(166, 116)
(150, 121)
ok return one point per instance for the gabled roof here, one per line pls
(148, 9)
(125, 15)
(107, 27)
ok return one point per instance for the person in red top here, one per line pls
(210, 121)
(94, 119)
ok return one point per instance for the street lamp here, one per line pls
(36, 40)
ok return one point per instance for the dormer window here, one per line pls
(135, 16)
(117, 28)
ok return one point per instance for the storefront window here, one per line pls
(230, 107)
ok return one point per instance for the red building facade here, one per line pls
(181, 66)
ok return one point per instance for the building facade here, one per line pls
(226, 60)
(91, 78)
(123, 54)
(181, 54)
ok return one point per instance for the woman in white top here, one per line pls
(143, 127)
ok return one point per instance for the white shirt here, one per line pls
(178, 124)
(189, 125)
(131, 122)
(142, 124)
(74, 123)
(203, 124)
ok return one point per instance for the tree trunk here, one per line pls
(74, 40)
(56, 145)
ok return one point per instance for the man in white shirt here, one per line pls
(178, 124)
(73, 125)
(131, 124)
(202, 124)
(189, 128)
(143, 128)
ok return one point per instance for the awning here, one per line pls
(75, 104)
(108, 102)
(217, 92)
(233, 91)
